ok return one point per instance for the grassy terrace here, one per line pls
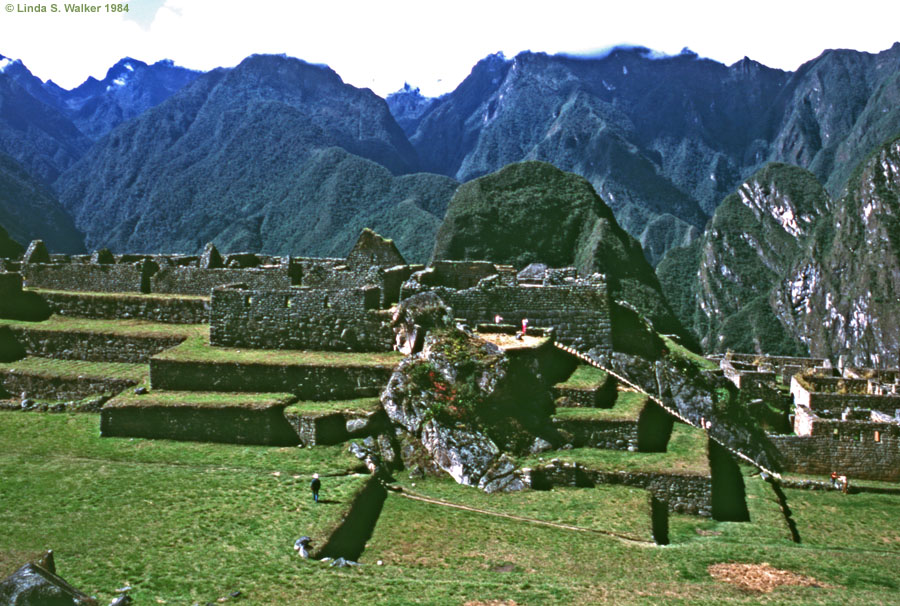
(628, 407)
(309, 407)
(118, 295)
(584, 377)
(686, 454)
(682, 352)
(198, 349)
(187, 522)
(201, 399)
(124, 328)
(74, 369)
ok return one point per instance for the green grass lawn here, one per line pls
(198, 349)
(628, 407)
(125, 328)
(201, 399)
(51, 368)
(190, 522)
(584, 377)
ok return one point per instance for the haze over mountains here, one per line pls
(283, 157)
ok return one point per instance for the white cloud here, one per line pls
(435, 44)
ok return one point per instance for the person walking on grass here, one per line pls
(315, 485)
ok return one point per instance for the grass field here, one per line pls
(191, 522)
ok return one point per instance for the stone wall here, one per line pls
(59, 388)
(231, 425)
(822, 394)
(84, 276)
(307, 382)
(201, 281)
(91, 346)
(610, 435)
(852, 452)
(300, 318)
(457, 274)
(579, 314)
(682, 493)
(124, 306)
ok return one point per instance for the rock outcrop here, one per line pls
(463, 404)
(37, 585)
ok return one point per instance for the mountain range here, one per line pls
(701, 162)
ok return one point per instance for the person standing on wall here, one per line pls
(315, 485)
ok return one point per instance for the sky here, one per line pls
(382, 44)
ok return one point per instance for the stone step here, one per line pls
(54, 380)
(310, 375)
(234, 418)
(134, 341)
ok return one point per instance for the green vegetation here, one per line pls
(585, 377)
(184, 522)
(125, 328)
(686, 453)
(29, 210)
(534, 212)
(198, 399)
(628, 407)
(197, 349)
(302, 165)
(310, 407)
(124, 296)
(73, 369)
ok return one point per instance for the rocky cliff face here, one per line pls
(130, 88)
(663, 140)
(784, 269)
(842, 296)
(751, 243)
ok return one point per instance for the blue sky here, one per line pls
(382, 44)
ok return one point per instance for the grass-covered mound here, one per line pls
(533, 212)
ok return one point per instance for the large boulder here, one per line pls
(34, 585)
(465, 404)
(415, 316)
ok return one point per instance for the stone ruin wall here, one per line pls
(317, 319)
(308, 382)
(579, 314)
(821, 393)
(144, 277)
(683, 493)
(852, 451)
(126, 306)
